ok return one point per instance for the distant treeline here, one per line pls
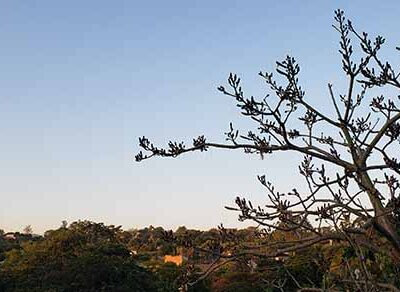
(89, 256)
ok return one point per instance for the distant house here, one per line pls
(10, 236)
(177, 260)
(282, 257)
(21, 236)
(252, 265)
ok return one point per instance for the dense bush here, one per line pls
(84, 257)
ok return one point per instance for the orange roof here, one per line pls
(177, 260)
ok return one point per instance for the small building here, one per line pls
(252, 265)
(177, 260)
(10, 236)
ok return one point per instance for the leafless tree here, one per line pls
(350, 163)
(28, 229)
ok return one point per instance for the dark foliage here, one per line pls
(86, 256)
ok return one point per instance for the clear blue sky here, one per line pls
(80, 81)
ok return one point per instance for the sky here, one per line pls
(81, 81)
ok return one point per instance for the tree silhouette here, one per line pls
(28, 230)
(349, 164)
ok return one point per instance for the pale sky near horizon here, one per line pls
(80, 81)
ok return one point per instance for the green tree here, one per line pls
(86, 256)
